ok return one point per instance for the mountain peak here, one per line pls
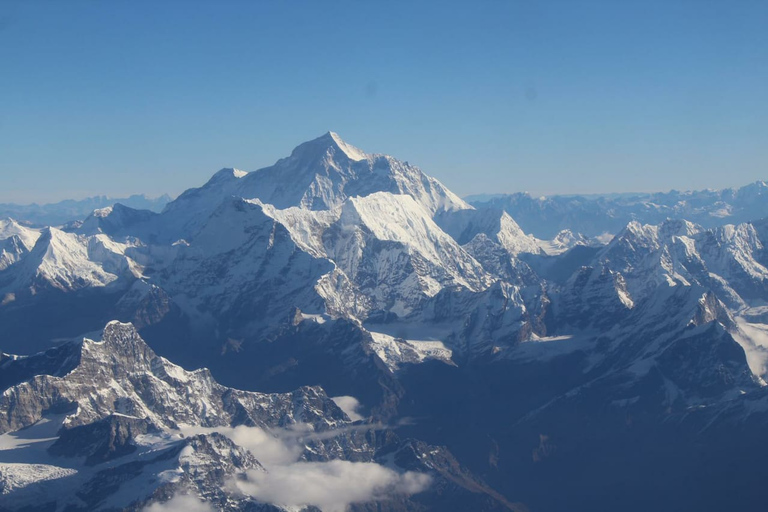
(320, 174)
(329, 141)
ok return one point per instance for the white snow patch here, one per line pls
(544, 339)
(44, 431)
(319, 319)
(397, 351)
(330, 486)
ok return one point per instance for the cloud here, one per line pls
(277, 446)
(331, 486)
(350, 405)
(753, 338)
(180, 503)
(270, 449)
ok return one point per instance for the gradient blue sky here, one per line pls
(492, 96)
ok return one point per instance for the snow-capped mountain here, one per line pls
(69, 262)
(377, 250)
(326, 171)
(727, 260)
(525, 355)
(319, 175)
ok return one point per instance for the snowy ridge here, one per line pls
(27, 236)
(332, 230)
(67, 261)
(399, 218)
(64, 261)
(497, 225)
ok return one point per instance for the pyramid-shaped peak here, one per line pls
(329, 141)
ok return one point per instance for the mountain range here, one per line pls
(64, 212)
(339, 331)
(595, 215)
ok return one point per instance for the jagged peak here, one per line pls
(738, 233)
(653, 235)
(644, 234)
(117, 324)
(121, 337)
(708, 308)
(507, 222)
(678, 227)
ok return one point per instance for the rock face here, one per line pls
(336, 270)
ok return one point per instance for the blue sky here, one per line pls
(488, 96)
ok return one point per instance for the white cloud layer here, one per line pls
(753, 338)
(331, 486)
(350, 405)
(271, 449)
(180, 503)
